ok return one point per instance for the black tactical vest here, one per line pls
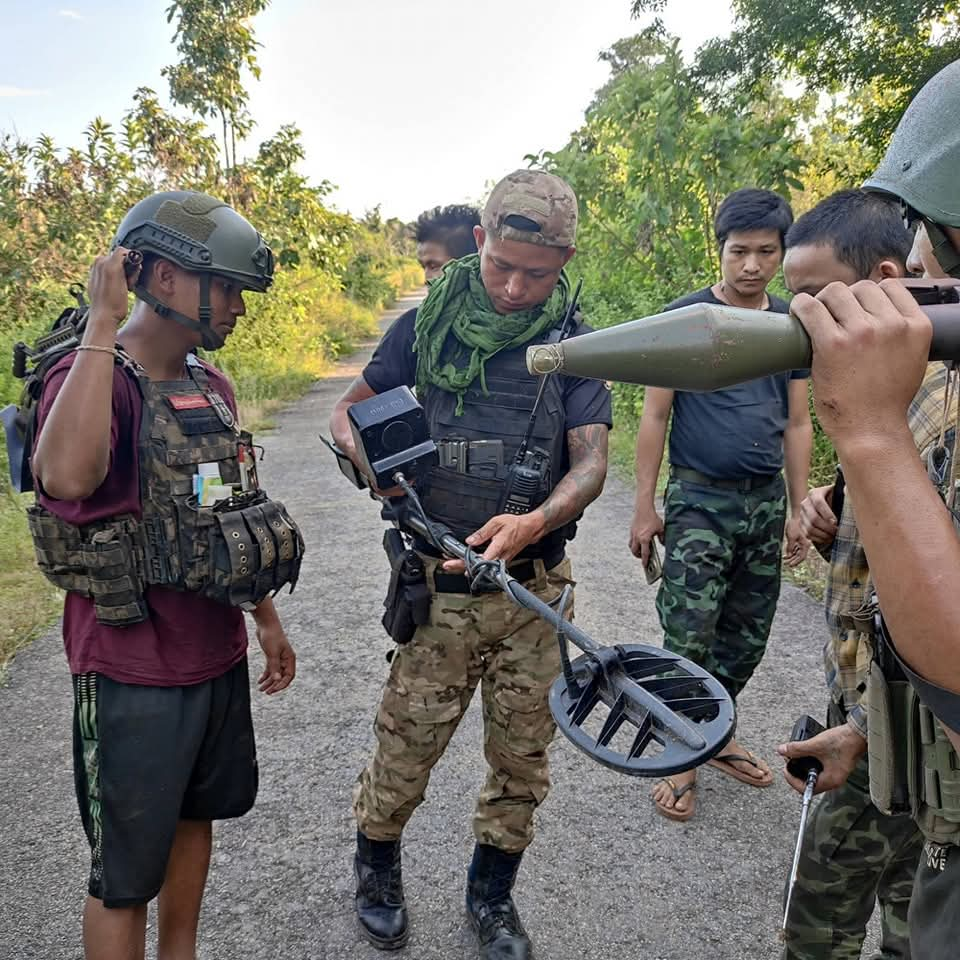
(238, 552)
(465, 501)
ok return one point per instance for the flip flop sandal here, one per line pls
(725, 764)
(672, 813)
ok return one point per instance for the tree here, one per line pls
(887, 47)
(650, 165)
(652, 162)
(215, 42)
(172, 153)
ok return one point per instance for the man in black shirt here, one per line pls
(725, 502)
(444, 234)
(464, 349)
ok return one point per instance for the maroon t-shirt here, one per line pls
(188, 638)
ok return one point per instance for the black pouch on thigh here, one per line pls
(407, 605)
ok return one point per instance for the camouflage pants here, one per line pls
(721, 575)
(935, 908)
(513, 655)
(852, 856)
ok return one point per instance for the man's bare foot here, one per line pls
(738, 762)
(675, 797)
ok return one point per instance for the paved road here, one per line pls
(606, 877)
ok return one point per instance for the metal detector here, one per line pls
(637, 709)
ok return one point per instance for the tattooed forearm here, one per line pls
(584, 480)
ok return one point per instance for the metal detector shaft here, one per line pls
(631, 692)
(807, 797)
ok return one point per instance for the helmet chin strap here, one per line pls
(210, 339)
(943, 249)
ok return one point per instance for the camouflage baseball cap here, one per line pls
(533, 207)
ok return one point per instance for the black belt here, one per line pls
(743, 485)
(521, 570)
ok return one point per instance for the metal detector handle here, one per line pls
(604, 656)
(805, 729)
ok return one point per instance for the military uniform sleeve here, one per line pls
(394, 364)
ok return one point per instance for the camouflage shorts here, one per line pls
(852, 857)
(513, 655)
(721, 575)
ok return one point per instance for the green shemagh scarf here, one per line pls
(457, 329)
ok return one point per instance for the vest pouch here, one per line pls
(116, 582)
(103, 561)
(255, 549)
(937, 784)
(59, 549)
(890, 730)
(289, 544)
(462, 502)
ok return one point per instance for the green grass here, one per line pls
(28, 601)
(622, 456)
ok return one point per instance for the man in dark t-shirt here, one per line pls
(464, 349)
(725, 502)
(445, 234)
(163, 736)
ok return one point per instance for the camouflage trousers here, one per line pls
(852, 856)
(935, 908)
(470, 640)
(721, 575)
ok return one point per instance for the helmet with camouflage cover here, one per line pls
(922, 162)
(203, 235)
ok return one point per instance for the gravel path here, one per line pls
(606, 877)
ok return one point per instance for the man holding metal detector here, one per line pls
(871, 343)
(517, 467)
(852, 855)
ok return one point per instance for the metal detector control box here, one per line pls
(390, 434)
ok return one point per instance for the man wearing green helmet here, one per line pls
(870, 349)
(156, 578)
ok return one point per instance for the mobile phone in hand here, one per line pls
(652, 569)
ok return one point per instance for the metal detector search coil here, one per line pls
(642, 711)
(637, 709)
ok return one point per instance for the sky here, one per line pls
(402, 103)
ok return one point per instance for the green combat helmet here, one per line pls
(203, 235)
(923, 159)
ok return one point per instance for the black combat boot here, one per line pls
(381, 909)
(494, 917)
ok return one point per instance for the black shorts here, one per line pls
(145, 758)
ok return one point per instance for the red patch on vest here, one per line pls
(191, 401)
